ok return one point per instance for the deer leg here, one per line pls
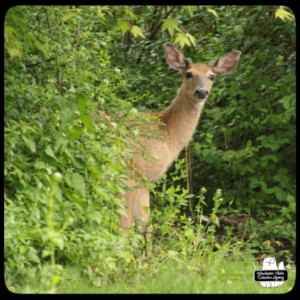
(130, 198)
(142, 211)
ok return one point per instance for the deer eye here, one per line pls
(211, 77)
(189, 75)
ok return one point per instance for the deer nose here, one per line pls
(201, 93)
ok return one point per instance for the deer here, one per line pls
(178, 123)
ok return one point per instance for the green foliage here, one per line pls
(64, 63)
(51, 126)
(283, 14)
(248, 127)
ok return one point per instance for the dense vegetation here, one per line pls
(63, 171)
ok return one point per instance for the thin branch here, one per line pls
(224, 134)
(154, 15)
(51, 58)
(156, 25)
(49, 25)
(215, 31)
(247, 49)
(58, 84)
(160, 22)
(69, 10)
(189, 176)
(38, 63)
(153, 33)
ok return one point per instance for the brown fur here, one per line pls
(180, 120)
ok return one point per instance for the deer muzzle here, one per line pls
(201, 93)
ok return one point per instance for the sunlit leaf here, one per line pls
(190, 9)
(283, 14)
(124, 26)
(191, 38)
(184, 39)
(33, 256)
(137, 31)
(170, 25)
(212, 11)
(58, 241)
(55, 279)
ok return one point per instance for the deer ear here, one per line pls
(226, 63)
(188, 62)
(212, 63)
(175, 57)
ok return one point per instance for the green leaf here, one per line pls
(29, 143)
(189, 233)
(78, 183)
(205, 152)
(256, 183)
(95, 216)
(110, 262)
(82, 102)
(39, 164)
(137, 31)
(122, 212)
(88, 123)
(79, 162)
(46, 253)
(275, 119)
(33, 256)
(55, 279)
(197, 147)
(61, 144)
(67, 115)
(170, 25)
(282, 171)
(58, 241)
(172, 253)
(58, 194)
(74, 132)
(290, 198)
(123, 25)
(279, 193)
(190, 9)
(263, 163)
(285, 102)
(212, 11)
(36, 212)
(249, 144)
(191, 38)
(184, 39)
(189, 196)
(68, 180)
(50, 152)
(283, 14)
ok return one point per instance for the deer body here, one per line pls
(179, 130)
(179, 120)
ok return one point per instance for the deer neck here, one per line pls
(181, 119)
